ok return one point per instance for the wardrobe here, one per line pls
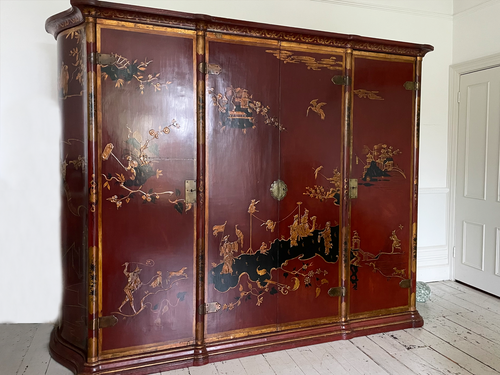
(230, 188)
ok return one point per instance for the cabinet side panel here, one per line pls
(147, 118)
(72, 96)
(381, 226)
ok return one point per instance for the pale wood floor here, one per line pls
(461, 335)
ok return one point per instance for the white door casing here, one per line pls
(477, 181)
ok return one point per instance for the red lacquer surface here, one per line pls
(72, 94)
(381, 214)
(295, 139)
(310, 161)
(151, 229)
(132, 136)
(243, 161)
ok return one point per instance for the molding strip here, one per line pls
(386, 8)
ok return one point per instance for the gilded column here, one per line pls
(345, 215)
(200, 352)
(94, 201)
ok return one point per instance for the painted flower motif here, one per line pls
(310, 273)
(118, 204)
(153, 134)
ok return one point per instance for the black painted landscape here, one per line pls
(279, 253)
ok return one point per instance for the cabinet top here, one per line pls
(160, 17)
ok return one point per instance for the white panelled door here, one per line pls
(477, 199)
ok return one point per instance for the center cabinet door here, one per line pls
(310, 164)
(273, 182)
(147, 150)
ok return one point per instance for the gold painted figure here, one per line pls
(226, 251)
(298, 231)
(133, 283)
(270, 225)
(327, 237)
(396, 242)
(219, 228)
(157, 280)
(251, 208)
(239, 234)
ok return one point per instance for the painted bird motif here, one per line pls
(316, 107)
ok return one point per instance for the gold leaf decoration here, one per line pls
(316, 107)
(330, 63)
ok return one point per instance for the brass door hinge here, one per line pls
(207, 68)
(208, 308)
(336, 292)
(341, 80)
(104, 322)
(103, 58)
(412, 86)
(190, 191)
(353, 188)
(406, 284)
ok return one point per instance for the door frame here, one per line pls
(456, 71)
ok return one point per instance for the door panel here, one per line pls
(310, 161)
(242, 162)
(261, 262)
(382, 148)
(146, 114)
(477, 213)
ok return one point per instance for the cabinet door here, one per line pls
(242, 162)
(274, 155)
(310, 160)
(382, 163)
(146, 116)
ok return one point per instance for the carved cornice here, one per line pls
(63, 21)
(158, 17)
(323, 38)
(141, 17)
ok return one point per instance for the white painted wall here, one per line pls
(476, 29)
(30, 123)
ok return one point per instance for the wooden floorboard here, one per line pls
(461, 336)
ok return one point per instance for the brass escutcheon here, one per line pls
(278, 190)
